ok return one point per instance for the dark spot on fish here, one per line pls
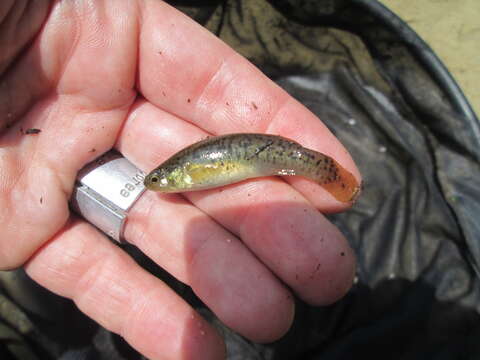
(21, 129)
(8, 125)
(32, 131)
(259, 150)
(92, 150)
(188, 100)
(254, 106)
(343, 186)
(227, 103)
(159, 52)
(342, 254)
(163, 93)
(319, 161)
(41, 200)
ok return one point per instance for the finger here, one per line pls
(276, 222)
(221, 92)
(223, 273)
(107, 285)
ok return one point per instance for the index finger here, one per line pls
(187, 71)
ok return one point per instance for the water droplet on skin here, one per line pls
(382, 149)
(391, 276)
(202, 333)
(355, 280)
(352, 122)
(229, 240)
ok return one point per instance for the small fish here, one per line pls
(227, 159)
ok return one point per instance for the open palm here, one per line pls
(143, 78)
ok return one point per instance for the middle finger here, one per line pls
(225, 275)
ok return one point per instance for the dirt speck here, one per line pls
(41, 200)
(189, 100)
(32, 131)
(254, 106)
(342, 254)
(92, 150)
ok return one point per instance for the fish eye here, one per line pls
(154, 179)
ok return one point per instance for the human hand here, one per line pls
(143, 78)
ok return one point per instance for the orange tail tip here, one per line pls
(345, 187)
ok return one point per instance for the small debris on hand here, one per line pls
(32, 131)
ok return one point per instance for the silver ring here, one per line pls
(105, 190)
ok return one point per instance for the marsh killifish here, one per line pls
(228, 159)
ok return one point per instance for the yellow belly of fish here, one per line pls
(218, 173)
